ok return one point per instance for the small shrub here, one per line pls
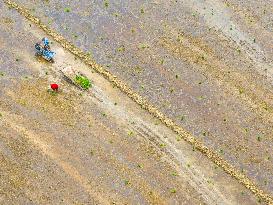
(130, 133)
(127, 182)
(140, 166)
(173, 191)
(162, 145)
(83, 82)
(106, 4)
(174, 174)
(121, 49)
(143, 46)
(259, 138)
(116, 14)
(67, 9)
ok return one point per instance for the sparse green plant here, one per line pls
(121, 49)
(106, 4)
(67, 9)
(140, 166)
(259, 138)
(173, 190)
(161, 61)
(138, 69)
(162, 145)
(178, 138)
(130, 133)
(142, 10)
(2, 73)
(88, 53)
(116, 14)
(127, 182)
(143, 46)
(51, 92)
(241, 90)
(83, 81)
(174, 174)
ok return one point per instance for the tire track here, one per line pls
(213, 156)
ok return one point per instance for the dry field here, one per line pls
(180, 111)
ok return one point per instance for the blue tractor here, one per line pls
(44, 50)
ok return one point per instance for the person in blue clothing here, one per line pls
(46, 44)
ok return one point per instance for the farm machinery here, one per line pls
(43, 50)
